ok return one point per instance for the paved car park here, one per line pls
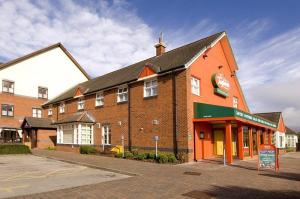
(205, 179)
(28, 174)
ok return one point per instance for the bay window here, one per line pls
(78, 133)
(122, 94)
(150, 88)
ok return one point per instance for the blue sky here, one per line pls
(106, 35)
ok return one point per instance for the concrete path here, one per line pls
(197, 180)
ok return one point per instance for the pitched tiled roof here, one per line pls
(20, 59)
(290, 131)
(39, 122)
(171, 60)
(83, 117)
(272, 116)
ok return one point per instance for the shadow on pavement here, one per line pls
(233, 192)
(283, 175)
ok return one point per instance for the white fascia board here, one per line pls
(189, 63)
(148, 77)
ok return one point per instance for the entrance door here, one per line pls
(218, 142)
(234, 138)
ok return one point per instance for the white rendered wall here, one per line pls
(52, 69)
(277, 140)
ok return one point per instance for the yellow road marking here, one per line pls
(11, 188)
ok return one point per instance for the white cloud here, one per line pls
(102, 37)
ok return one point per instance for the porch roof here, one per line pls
(81, 117)
(209, 112)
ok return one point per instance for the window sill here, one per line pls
(123, 102)
(8, 116)
(150, 97)
(80, 110)
(9, 93)
(99, 106)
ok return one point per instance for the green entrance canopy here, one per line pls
(202, 110)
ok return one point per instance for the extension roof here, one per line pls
(290, 131)
(33, 122)
(43, 50)
(82, 117)
(272, 116)
(168, 61)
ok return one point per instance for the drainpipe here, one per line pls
(129, 119)
(174, 114)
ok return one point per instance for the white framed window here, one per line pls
(150, 88)
(106, 135)
(80, 105)
(8, 86)
(50, 112)
(7, 110)
(235, 102)
(68, 134)
(86, 134)
(43, 92)
(195, 86)
(99, 99)
(36, 112)
(62, 108)
(122, 94)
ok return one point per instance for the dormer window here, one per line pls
(122, 94)
(43, 92)
(150, 88)
(8, 86)
(62, 108)
(80, 105)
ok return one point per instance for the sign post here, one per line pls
(156, 138)
(268, 157)
(123, 152)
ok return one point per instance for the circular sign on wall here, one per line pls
(221, 84)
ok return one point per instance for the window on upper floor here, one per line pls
(8, 86)
(122, 94)
(99, 99)
(150, 88)
(62, 108)
(36, 112)
(7, 110)
(195, 86)
(235, 102)
(43, 92)
(50, 112)
(80, 104)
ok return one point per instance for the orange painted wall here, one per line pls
(281, 126)
(146, 72)
(204, 148)
(204, 68)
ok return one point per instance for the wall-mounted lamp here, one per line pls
(205, 56)
(220, 66)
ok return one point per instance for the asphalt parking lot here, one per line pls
(28, 174)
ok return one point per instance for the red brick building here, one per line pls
(190, 97)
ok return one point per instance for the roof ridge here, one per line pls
(159, 55)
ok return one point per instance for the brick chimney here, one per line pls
(160, 47)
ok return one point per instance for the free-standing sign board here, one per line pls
(268, 157)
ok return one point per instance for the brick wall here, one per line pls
(22, 107)
(46, 138)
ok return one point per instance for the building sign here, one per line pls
(221, 84)
(268, 157)
(202, 110)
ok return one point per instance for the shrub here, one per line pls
(14, 149)
(87, 150)
(171, 158)
(141, 156)
(128, 155)
(118, 155)
(151, 155)
(51, 148)
(135, 152)
(162, 158)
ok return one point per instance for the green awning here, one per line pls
(202, 110)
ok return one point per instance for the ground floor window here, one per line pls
(75, 134)
(106, 135)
